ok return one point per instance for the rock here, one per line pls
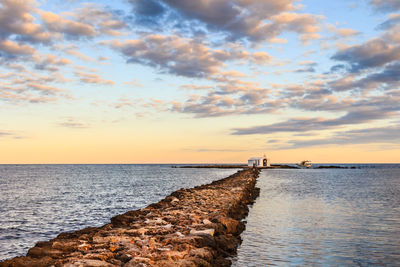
(202, 232)
(179, 234)
(27, 262)
(65, 246)
(232, 225)
(205, 221)
(191, 227)
(91, 263)
(37, 252)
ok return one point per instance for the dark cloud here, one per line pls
(314, 124)
(303, 70)
(387, 79)
(249, 19)
(374, 53)
(387, 135)
(386, 5)
(393, 21)
(150, 8)
(337, 68)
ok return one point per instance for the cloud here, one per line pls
(230, 96)
(26, 86)
(89, 21)
(12, 48)
(73, 124)
(388, 78)
(134, 83)
(6, 134)
(126, 102)
(374, 53)
(342, 32)
(385, 5)
(147, 8)
(71, 29)
(390, 23)
(92, 78)
(386, 135)
(16, 19)
(250, 19)
(181, 56)
(49, 62)
(361, 115)
(105, 21)
(45, 89)
(2, 134)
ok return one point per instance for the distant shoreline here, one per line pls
(273, 166)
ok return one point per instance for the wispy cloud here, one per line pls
(92, 78)
(73, 124)
(384, 135)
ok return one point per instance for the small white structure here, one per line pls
(259, 162)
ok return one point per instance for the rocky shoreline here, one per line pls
(200, 226)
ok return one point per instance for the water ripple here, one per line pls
(37, 202)
(330, 217)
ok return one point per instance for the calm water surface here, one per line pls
(326, 217)
(37, 202)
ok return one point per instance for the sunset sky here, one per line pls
(192, 81)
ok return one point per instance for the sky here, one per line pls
(205, 81)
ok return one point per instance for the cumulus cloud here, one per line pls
(49, 62)
(181, 56)
(105, 21)
(16, 19)
(251, 19)
(12, 48)
(71, 29)
(86, 22)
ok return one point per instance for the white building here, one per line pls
(259, 162)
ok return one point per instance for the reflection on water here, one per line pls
(335, 217)
(37, 202)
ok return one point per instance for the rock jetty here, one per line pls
(200, 226)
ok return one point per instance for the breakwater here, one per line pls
(200, 226)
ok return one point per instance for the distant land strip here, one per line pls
(200, 226)
(273, 166)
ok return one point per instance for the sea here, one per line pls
(303, 217)
(324, 217)
(37, 202)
